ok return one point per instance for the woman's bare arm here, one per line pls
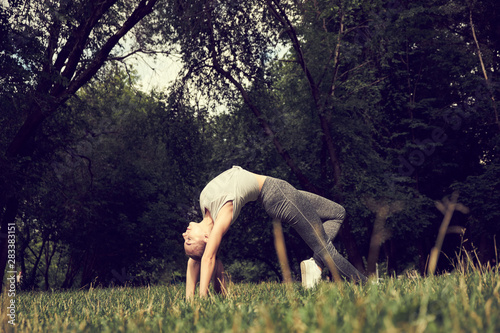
(221, 225)
(192, 274)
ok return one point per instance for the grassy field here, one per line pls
(459, 302)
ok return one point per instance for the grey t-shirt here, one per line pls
(236, 185)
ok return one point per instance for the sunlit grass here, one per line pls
(467, 300)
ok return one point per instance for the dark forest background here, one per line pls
(384, 106)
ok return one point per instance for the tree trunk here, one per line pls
(21, 253)
(322, 108)
(88, 270)
(8, 219)
(66, 63)
(48, 260)
(31, 281)
(352, 249)
(71, 272)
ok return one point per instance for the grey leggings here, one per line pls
(316, 219)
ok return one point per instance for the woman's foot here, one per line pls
(311, 273)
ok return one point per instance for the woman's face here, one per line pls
(193, 235)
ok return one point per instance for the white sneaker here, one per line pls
(311, 273)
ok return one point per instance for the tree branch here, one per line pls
(81, 37)
(144, 8)
(255, 110)
(337, 54)
(479, 54)
(140, 50)
(279, 14)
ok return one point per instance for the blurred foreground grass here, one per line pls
(459, 302)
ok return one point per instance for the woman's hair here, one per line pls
(196, 251)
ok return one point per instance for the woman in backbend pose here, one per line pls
(316, 219)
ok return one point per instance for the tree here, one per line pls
(238, 52)
(438, 117)
(116, 191)
(386, 81)
(74, 40)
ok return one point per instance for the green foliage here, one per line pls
(246, 271)
(482, 194)
(108, 182)
(236, 37)
(457, 302)
(113, 187)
